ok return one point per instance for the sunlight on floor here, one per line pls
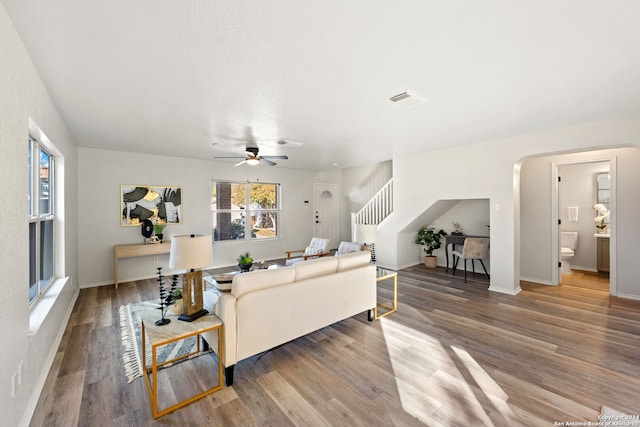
(437, 383)
(483, 380)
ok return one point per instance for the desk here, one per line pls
(453, 241)
(135, 250)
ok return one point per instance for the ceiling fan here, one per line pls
(253, 157)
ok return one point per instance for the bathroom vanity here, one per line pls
(603, 252)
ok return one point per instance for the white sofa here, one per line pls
(271, 307)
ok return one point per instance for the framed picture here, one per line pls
(161, 205)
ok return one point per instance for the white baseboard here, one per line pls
(577, 267)
(403, 266)
(505, 291)
(110, 282)
(629, 296)
(536, 281)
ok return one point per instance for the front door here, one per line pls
(326, 212)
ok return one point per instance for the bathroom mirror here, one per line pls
(602, 180)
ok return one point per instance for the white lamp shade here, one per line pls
(191, 251)
(366, 233)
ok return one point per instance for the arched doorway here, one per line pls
(540, 214)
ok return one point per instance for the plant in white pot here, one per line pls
(430, 239)
(176, 307)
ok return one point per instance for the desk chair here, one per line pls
(474, 248)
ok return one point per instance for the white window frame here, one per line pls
(247, 212)
(35, 217)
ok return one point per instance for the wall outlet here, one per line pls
(155, 259)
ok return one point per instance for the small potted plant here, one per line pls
(430, 239)
(176, 299)
(158, 230)
(245, 262)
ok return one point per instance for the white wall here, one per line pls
(491, 170)
(102, 172)
(536, 262)
(25, 97)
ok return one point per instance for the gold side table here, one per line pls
(382, 275)
(175, 331)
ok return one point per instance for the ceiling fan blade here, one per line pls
(229, 157)
(275, 157)
(241, 163)
(267, 162)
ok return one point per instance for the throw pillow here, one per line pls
(312, 251)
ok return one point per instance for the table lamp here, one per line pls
(367, 234)
(191, 252)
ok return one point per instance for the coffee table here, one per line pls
(222, 282)
(383, 274)
(176, 330)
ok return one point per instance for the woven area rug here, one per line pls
(130, 327)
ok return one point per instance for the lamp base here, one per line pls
(193, 316)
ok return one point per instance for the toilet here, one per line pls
(568, 243)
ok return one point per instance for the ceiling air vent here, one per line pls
(407, 99)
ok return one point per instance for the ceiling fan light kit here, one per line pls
(253, 158)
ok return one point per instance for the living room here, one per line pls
(484, 165)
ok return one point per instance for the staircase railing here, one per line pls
(378, 208)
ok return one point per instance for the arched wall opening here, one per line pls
(537, 230)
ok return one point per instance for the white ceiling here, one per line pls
(174, 77)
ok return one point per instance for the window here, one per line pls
(244, 211)
(41, 219)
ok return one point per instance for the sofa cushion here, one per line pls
(254, 280)
(353, 260)
(315, 267)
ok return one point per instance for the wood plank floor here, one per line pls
(454, 354)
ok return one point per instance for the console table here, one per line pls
(136, 250)
(453, 241)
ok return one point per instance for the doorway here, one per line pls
(590, 158)
(539, 214)
(581, 247)
(326, 211)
